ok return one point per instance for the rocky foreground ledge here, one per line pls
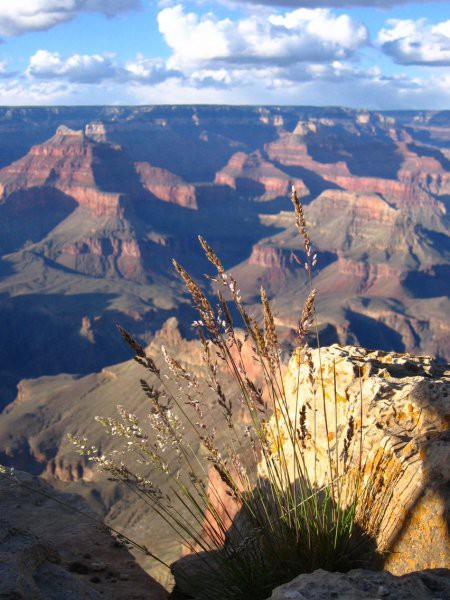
(359, 584)
(404, 403)
(49, 552)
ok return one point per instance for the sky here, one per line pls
(375, 54)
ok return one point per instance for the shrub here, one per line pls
(261, 519)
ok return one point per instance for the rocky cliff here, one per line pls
(166, 186)
(400, 408)
(251, 175)
(91, 217)
(66, 162)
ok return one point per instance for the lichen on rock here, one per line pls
(403, 402)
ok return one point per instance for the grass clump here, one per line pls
(250, 507)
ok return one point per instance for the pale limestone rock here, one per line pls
(405, 411)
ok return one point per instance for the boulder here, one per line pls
(359, 584)
(403, 402)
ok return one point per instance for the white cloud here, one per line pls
(147, 70)
(76, 68)
(95, 68)
(412, 42)
(21, 16)
(336, 84)
(336, 3)
(303, 35)
(23, 92)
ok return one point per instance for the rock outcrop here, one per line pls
(366, 585)
(166, 186)
(401, 403)
(251, 175)
(404, 402)
(368, 275)
(291, 150)
(65, 162)
(270, 257)
(49, 551)
(413, 186)
(363, 208)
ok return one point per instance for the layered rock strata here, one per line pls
(254, 176)
(65, 162)
(166, 186)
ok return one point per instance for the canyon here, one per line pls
(96, 201)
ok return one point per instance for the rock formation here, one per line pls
(404, 403)
(366, 585)
(101, 205)
(66, 162)
(251, 175)
(48, 551)
(166, 186)
(401, 403)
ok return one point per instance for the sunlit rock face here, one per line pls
(400, 406)
(166, 186)
(251, 175)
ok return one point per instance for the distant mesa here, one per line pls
(96, 131)
(97, 174)
(64, 130)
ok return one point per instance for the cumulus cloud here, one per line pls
(21, 16)
(303, 35)
(76, 68)
(21, 91)
(412, 42)
(147, 70)
(151, 81)
(96, 68)
(336, 3)
(338, 84)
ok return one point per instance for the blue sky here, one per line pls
(378, 54)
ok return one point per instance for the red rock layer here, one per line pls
(253, 167)
(64, 162)
(270, 257)
(105, 256)
(362, 207)
(425, 172)
(369, 274)
(417, 179)
(166, 186)
(103, 246)
(289, 150)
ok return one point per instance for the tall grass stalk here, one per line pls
(253, 516)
